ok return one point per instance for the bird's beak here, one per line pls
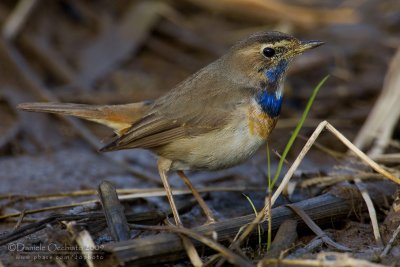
(305, 45)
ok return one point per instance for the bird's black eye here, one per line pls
(268, 52)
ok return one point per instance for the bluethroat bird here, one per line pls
(216, 118)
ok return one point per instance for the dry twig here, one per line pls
(383, 118)
(168, 247)
(14, 23)
(85, 242)
(390, 243)
(284, 239)
(226, 253)
(323, 125)
(113, 211)
(316, 229)
(323, 259)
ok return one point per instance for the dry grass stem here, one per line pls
(316, 229)
(85, 242)
(362, 155)
(383, 118)
(323, 125)
(390, 243)
(191, 251)
(323, 260)
(128, 193)
(58, 207)
(16, 20)
(324, 181)
(141, 193)
(225, 252)
(371, 211)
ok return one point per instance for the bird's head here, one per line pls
(259, 63)
(263, 58)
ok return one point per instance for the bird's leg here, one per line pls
(163, 167)
(197, 196)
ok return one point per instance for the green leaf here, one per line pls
(297, 130)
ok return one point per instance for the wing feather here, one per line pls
(149, 132)
(196, 106)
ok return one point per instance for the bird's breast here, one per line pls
(260, 124)
(248, 129)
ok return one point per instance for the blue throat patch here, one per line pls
(269, 103)
(268, 99)
(274, 74)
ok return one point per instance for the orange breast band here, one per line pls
(260, 123)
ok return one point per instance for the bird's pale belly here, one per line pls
(222, 148)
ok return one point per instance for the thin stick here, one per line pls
(18, 17)
(323, 259)
(371, 210)
(316, 229)
(298, 160)
(128, 193)
(26, 212)
(327, 208)
(284, 239)
(353, 148)
(225, 252)
(362, 155)
(157, 193)
(20, 220)
(84, 241)
(309, 248)
(324, 181)
(296, 163)
(384, 116)
(330, 152)
(390, 243)
(364, 193)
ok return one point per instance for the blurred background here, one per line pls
(111, 52)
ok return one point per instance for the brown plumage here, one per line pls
(216, 118)
(118, 117)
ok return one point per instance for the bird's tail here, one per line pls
(117, 117)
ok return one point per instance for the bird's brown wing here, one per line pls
(202, 103)
(155, 130)
(150, 131)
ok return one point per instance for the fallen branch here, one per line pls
(113, 211)
(327, 208)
